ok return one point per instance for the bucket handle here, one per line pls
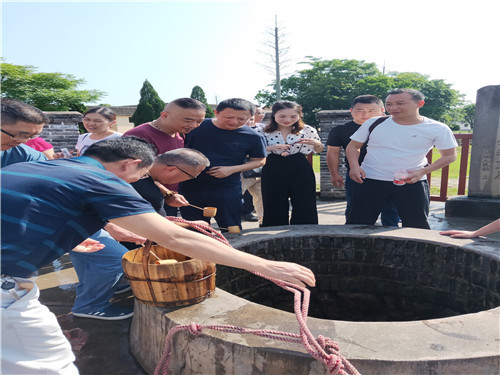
(145, 267)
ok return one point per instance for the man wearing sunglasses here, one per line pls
(20, 123)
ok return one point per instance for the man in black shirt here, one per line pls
(363, 108)
(169, 168)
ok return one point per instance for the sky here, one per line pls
(221, 45)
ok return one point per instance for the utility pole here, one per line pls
(277, 58)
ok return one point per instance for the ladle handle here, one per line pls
(199, 208)
(156, 256)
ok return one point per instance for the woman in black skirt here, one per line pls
(287, 173)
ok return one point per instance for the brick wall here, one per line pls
(62, 129)
(327, 120)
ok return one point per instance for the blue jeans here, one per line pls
(98, 273)
(389, 215)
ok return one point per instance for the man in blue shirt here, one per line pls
(20, 123)
(49, 207)
(226, 141)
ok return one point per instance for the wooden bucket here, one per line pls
(186, 282)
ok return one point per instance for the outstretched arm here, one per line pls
(195, 245)
(483, 231)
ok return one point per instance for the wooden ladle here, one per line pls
(162, 261)
(207, 211)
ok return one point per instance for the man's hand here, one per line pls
(123, 235)
(414, 175)
(89, 246)
(337, 180)
(286, 271)
(221, 172)
(176, 200)
(357, 174)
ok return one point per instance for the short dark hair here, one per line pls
(14, 111)
(106, 112)
(236, 104)
(183, 156)
(415, 94)
(121, 148)
(285, 104)
(367, 99)
(188, 103)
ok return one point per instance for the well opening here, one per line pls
(367, 278)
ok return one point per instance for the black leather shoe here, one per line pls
(250, 217)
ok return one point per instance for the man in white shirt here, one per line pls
(401, 142)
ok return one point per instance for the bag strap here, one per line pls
(376, 123)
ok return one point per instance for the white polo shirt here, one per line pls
(392, 147)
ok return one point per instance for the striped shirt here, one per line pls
(19, 154)
(50, 207)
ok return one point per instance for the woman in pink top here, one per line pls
(42, 145)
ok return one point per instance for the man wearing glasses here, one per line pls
(20, 123)
(171, 167)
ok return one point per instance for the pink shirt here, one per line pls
(161, 140)
(39, 144)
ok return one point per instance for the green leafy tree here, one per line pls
(326, 84)
(150, 105)
(198, 94)
(46, 91)
(469, 111)
(333, 84)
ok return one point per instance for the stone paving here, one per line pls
(102, 347)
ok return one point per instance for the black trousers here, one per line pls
(370, 197)
(283, 178)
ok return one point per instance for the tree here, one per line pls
(198, 94)
(327, 84)
(150, 105)
(46, 91)
(469, 111)
(333, 84)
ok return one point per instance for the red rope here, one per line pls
(322, 349)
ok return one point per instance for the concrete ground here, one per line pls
(101, 347)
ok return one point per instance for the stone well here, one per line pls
(397, 301)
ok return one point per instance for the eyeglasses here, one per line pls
(183, 171)
(19, 137)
